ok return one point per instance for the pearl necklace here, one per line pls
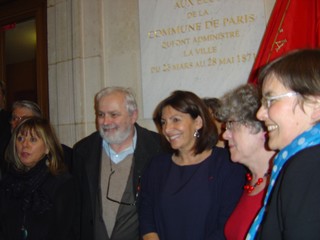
(249, 188)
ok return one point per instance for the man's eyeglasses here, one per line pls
(266, 101)
(17, 118)
(120, 202)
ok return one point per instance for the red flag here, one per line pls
(293, 24)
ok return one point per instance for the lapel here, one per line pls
(92, 168)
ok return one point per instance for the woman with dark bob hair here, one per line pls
(37, 195)
(290, 109)
(188, 194)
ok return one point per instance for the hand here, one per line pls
(151, 236)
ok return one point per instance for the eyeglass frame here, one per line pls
(120, 202)
(15, 118)
(230, 124)
(266, 101)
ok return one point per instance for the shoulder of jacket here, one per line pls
(91, 139)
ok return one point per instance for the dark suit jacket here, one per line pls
(86, 168)
(5, 134)
(67, 155)
(294, 209)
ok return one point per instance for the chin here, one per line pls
(273, 146)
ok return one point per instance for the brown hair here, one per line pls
(298, 70)
(190, 103)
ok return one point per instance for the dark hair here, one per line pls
(298, 70)
(190, 103)
(43, 129)
(3, 91)
(212, 103)
(241, 104)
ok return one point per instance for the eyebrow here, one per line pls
(268, 93)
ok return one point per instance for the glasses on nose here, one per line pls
(266, 101)
(120, 202)
(17, 118)
(233, 125)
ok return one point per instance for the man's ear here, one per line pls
(134, 116)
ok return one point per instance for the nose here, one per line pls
(226, 134)
(15, 123)
(262, 113)
(24, 142)
(166, 128)
(106, 120)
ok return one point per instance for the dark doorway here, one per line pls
(23, 54)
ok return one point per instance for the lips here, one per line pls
(24, 155)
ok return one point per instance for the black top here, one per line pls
(5, 134)
(190, 202)
(37, 204)
(293, 211)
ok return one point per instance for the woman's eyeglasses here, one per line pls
(266, 101)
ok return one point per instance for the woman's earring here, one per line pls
(196, 134)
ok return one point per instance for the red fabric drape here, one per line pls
(293, 24)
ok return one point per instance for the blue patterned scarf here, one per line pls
(307, 139)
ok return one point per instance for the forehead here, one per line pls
(22, 111)
(168, 111)
(272, 84)
(112, 102)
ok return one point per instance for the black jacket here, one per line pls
(294, 205)
(5, 134)
(86, 168)
(38, 201)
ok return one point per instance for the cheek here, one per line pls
(41, 150)
(100, 121)
(18, 147)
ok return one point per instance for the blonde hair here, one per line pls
(42, 129)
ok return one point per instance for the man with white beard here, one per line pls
(108, 165)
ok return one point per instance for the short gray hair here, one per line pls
(241, 104)
(127, 92)
(34, 107)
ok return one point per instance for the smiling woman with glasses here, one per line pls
(245, 136)
(291, 112)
